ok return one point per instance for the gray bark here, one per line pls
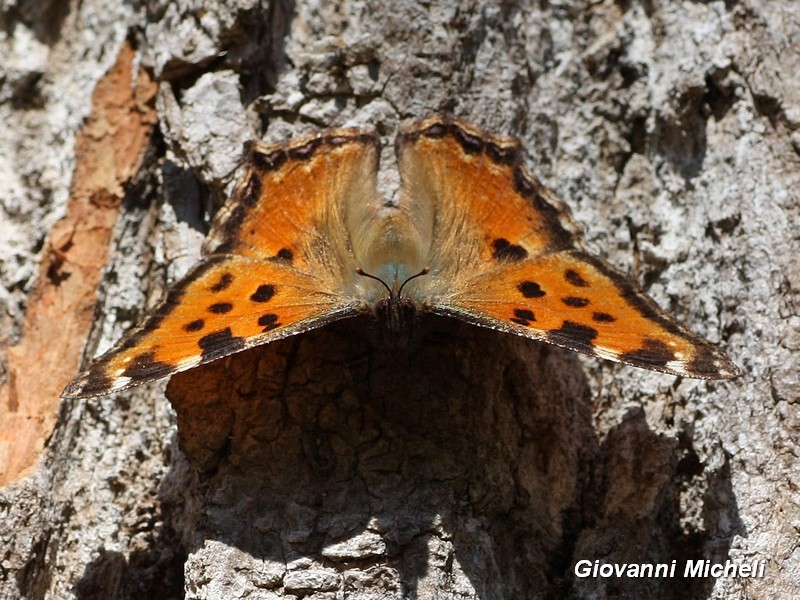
(477, 465)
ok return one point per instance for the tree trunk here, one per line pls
(473, 464)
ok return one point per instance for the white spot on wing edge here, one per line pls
(188, 363)
(676, 365)
(119, 383)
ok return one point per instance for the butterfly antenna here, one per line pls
(424, 271)
(363, 273)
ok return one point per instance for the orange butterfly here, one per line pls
(307, 239)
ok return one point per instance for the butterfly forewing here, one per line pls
(575, 300)
(224, 305)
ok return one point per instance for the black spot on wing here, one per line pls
(531, 289)
(602, 317)
(223, 283)
(285, 254)
(524, 313)
(574, 336)
(504, 250)
(653, 352)
(145, 365)
(195, 325)
(220, 308)
(268, 321)
(523, 316)
(575, 302)
(637, 299)
(575, 278)
(264, 293)
(220, 343)
(173, 298)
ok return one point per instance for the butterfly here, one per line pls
(306, 239)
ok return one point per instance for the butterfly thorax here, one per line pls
(396, 311)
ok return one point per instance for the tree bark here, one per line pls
(472, 464)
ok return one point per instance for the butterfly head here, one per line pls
(395, 312)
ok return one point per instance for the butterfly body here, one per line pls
(307, 239)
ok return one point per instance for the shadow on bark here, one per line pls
(153, 572)
(469, 452)
(467, 439)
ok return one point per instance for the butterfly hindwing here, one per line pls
(506, 254)
(291, 199)
(223, 305)
(488, 208)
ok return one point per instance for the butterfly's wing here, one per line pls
(291, 201)
(507, 255)
(279, 264)
(225, 304)
(575, 300)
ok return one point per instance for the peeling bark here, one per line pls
(474, 465)
(109, 149)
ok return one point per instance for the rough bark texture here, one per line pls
(474, 465)
(109, 149)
